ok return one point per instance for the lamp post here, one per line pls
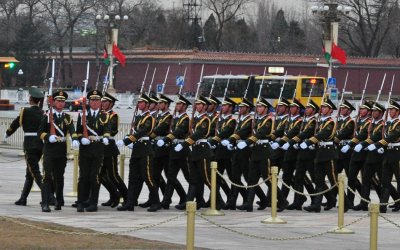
(112, 21)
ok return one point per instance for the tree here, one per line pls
(295, 38)
(278, 32)
(8, 8)
(225, 11)
(210, 33)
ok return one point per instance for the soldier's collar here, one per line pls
(282, 116)
(145, 113)
(109, 111)
(376, 121)
(294, 117)
(261, 117)
(309, 117)
(161, 114)
(344, 117)
(180, 115)
(226, 116)
(244, 117)
(367, 117)
(323, 118)
(56, 112)
(152, 112)
(200, 115)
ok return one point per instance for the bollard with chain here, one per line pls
(212, 211)
(74, 192)
(274, 185)
(340, 229)
(373, 233)
(191, 213)
(122, 165)
(70, 155)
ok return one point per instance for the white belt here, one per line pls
(327, 143)
(392, 145)
(201, 140)
(178, 140)
(262, 141)
(159, 138)
(146, 138)
(30, 134)
(95, 137)
(241, 141)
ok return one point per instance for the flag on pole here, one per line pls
(106, 59)
(119, 55)
(338, 53)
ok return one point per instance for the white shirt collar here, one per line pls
(57, 113)
(200, 115)
(325, 117)
(292, 118)
(376, 121)
(244, 117)
(180, 115)
(225, 116)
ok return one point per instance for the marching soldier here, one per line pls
(55, 150)
(305, 157)
(177, 160)
(390, 146)
(358, 158)
(141, 162)
(199, 158)
(91, 152)
(29, 119)
(325, 157)
(110, 177)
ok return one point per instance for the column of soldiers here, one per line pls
(307, 148)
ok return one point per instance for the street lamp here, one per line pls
(112, 21)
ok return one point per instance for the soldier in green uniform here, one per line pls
(305, 157)
(224, 129)
(91, 152)
(199, 157)
(325, 157)
(55, 150)
(259, 145)
(110, 177)
(292, 129)
(177, 160)
(141, 162)
(389, 145)
(29, 119)
(374, 159)
(358, 158)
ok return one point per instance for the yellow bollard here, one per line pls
(274, 184)
(191, 213)
(122, 165)
(340, 229)
(74, 192)
(373, 228)
(212, 211)
(70, 155)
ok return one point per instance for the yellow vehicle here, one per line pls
(295, 86)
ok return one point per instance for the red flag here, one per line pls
(338, 53)
(118, 54)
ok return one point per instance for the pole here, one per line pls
(113, 39)
(122, 165)
(74, 192)
(191, 213)
(274, 184)
(373, 233)
(212, 211)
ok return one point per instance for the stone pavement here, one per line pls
(303, 230)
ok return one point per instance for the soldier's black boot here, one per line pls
(363, 206)
(146, 204)
(396, 207)
(45, 199)
(384, 199)
(263, 198)
(282, 202)
(331, 200)
(231, 203)
(316, 204)
(200, 196)
(191, 194)
(155, 200)
(297, 203)
(24, 194)
(180, 191)
(248, 205)
(169, 190)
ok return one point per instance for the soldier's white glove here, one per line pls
(178, 147)
(371, 147)
(130, 146)
(211, 146)
(230, 147)
(274, 145)
(225, 143)
(345, 149)
(53, 138)
(296, 146)
(105, 141)
(5, 136)
(312, 147)
(358, 148)
(242, 145)
(286, 146)
(303, 145)
(120, 143)
(85, 141)
(75, 144)
(381, 151)
(160, 143)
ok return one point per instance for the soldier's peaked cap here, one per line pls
(60, 95)
(247, 103)
(313, 105)
(94, 94)
(347, 104)
(366, 105)
(284, 102)
(202, 99)
(144, 98)
(109, 97)
(264, 102)
(328, 103)
(378, 107)
(297, 103)
(229, 101)
(164, 98)
(182, 99)
(214, 100)
(393, 104)
(35, 92)
(153, 98)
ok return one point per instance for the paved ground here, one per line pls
(253, 234)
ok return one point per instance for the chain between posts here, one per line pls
(304, 194)
(274, 238)
(242, 186)
(89, 234)
(389, 220)
(368, 201)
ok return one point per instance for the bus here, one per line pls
(295, 86)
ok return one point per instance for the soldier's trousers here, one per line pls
(32, 158)
(110, 177)
(174, 166)
(288, 176)
(389, 169)
(160, 164)
(224, 164)
(301, 179)
(198, 176)
(352, 180)
(240, 166)
(321, 170)
(53, 173)
(257, 169)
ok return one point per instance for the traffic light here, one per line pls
(10, 65)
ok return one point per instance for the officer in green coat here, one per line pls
(29, 120)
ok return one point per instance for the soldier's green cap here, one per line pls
(182, 99)
(328, 103)
(108, 97)
(247, 103)
(94, 95)
(297, 103)
(347, 104)
(393, 105)
(36, 92)
(214, 100)
(366, 105)
(60, 95)
(164, 98)
(284, 102)
(313, 105)
(153, 98)
(144, 98)
(203, 100)
(264, 102)
(229, 101)
(378, 107)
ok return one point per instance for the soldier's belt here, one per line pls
(325, 143)
(344, 142)
(393, 145)
(262, 142)
(201, 141)
(178, 140)
(159, 138)
(30, 134)
(145, 138)
(95, 138)
(61, 139)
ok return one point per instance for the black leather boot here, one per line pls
(24, 194)
(248, 205)
(191, 194)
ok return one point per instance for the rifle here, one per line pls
(248, 85)
(280, 94)
(184, 75)
(140, 93)
(212, 86)
(226, 91)
(195, 98)
(308, 101)
(98, 78)
(86, 81)
(320, 109)
(151, 83)
(341, 98)
(361, 103)
(377, 99)
(388, 103)
(165, 80)
(106, 81)
(261, 85)
(50, 99)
